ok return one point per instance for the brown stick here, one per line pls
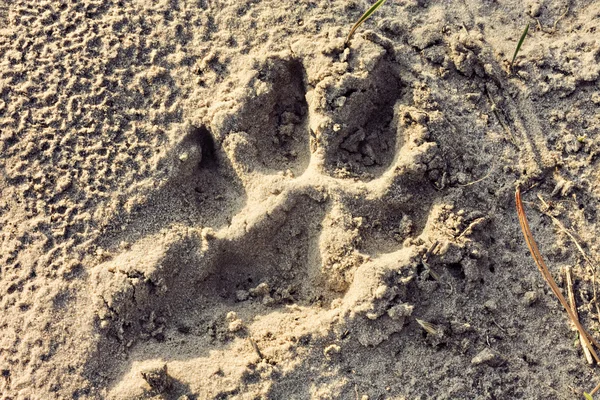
(593, 392)
(539, 261)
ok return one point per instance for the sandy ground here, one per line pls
(220, 200)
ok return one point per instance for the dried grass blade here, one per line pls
(428, 327)
(539, 261)
(362, 19)
(592, 264)
(571, 297)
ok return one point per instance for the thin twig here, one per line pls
(559, 18)
(480, 179)
(469, 229)
(539, 261)
(553, 29)
(595, 299)
(571, 296)
(255, 347)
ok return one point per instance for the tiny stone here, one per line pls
(489, 357)
(461, 177)
(332, 350)
(460, 328)
(261, 290)
(236, 326)
(339, 102)
(380, 292)
(400, 311)
(534, 11)
(268, 300)
(344, 56)
(572, 145)
(158, 379)
(490, 305)
(231, 316)
(372, 316)
(529, 298)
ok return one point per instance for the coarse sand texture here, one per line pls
(221, 199)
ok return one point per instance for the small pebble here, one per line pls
(261, 290)
(490, 305)
(236, 326)
(158, 379)
(489, 357)
(268, 300)
(400, 311)
(529, 298)
(331, 350)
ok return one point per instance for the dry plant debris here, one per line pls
(543, 268)
(571, 295)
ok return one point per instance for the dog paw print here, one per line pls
(332, 179)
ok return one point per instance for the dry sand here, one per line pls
(218, 200)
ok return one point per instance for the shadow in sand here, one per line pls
(281, 251)
(202, 191)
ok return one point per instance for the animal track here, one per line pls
(228, 190)
(304, 231)
(276, 118)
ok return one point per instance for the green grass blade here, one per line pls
(588, 396)
(362, 19)
(521, 40)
